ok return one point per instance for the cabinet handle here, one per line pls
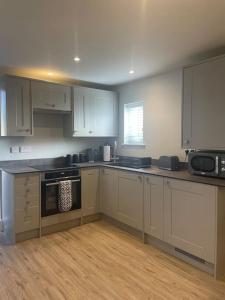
(140, 178)
(90, 131)
(186, 142)
(168, 182)
(22, 107)
(147, 180)
(65, 98)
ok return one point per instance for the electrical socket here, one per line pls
(25, 149)
(14, 149)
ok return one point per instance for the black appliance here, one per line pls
(50, 189)
(75, 158)
(207, 163)
(69, 160)
(83, 157)
(134, 162)
(169, 163)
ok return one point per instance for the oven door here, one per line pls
(204, 164)
(50, 194)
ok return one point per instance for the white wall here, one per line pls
(162, 96)
(48, 140)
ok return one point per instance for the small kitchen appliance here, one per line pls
(169, 163)
(207, 163)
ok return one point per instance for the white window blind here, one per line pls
(133, 123)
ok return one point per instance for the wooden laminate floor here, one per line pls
(99, 261)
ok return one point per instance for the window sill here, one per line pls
(134, 145)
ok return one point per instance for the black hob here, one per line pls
(54, 167)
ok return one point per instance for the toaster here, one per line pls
(169, 163)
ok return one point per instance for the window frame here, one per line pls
(125, 142)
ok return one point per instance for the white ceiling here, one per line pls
(110, 36)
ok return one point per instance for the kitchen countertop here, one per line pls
(181, 175)
(19, 170)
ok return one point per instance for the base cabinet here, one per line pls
(153, 206)
(27, 202)
(190, 217)
(108, 197)
(129, 199)
(89, 191)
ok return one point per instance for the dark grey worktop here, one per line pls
(182, 174)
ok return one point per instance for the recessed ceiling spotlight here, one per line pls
(50, 73)
(131, 72)
(76, 59)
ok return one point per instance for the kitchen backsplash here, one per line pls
(48, 141)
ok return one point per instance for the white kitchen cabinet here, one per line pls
(204, 105)
(90, 191)
(83, 122)
(153, 206)
(190, 217)
(106, 111)
(129, 199)
(27, 202)
(50, 96)
(108, 192)
(17, 106)
(95, 113)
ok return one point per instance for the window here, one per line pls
(133, 123)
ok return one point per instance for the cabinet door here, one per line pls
(186, 108)
(153, 206)
(27, 219)
(190, 210)
(129, 208)
(105, 113)
(90, 191)
(108, 195)
(81, 111)
(51, 96)
(95, 112)
(18, 107)
(204, 90)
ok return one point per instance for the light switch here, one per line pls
(14, 149)
(25, 149)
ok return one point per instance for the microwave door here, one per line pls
(205, 164)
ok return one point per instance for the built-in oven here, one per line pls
(207, 163)
(50, 182)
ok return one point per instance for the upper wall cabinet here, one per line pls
(16, 107)
(50, 96)
(204, 105)
(95, 113)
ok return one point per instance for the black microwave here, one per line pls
(208, 163)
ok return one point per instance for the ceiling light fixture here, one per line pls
(131, 72)
(50, 73)
(76, 59)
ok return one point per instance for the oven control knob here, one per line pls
(223, 169)
(222, 162)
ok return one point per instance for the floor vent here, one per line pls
(200, 260)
